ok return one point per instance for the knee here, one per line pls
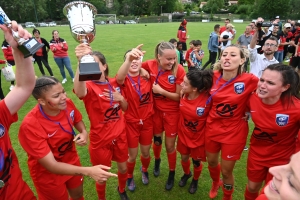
(170, 148)
(196, 163)
(253, 188)
(123, 169)
(157, 140)
(226, 174)
(212, 162)
(145, 154)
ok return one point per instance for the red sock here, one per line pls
(250, 196)
(101, 190)
(130, 168)
(197, 171)
(186, 166)
(215, 173)
(122, 178)
(81, 198)
(156, 150)
(227, 194)
(145, 163)
(172, 160)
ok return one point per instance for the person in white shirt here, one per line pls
(227, 36)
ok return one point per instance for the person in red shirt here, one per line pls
(41, 56)
(104, 105)
(168, 75)
(138, 116)
(59, 48)
(47, 135)
(8, 54)
(226, 128)
(194, 109)
(273, 139)
(188, 52)
(12, 185)
(285, 182)
(182, 35)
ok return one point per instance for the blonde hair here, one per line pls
(244, 53)
(159, 50)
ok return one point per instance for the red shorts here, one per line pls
(58, 192)
(164, 121)
(197, 153)
(139, 133)
(228, 151)
(117, 151)
(257, 171)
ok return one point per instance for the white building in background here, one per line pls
(186, 1)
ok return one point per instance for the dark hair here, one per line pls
(35, 30)
(289, 76)
(53, 33)
(42, 85)
(216, 26)
(197, 43)
(173, 40)
(159, 50)
(273, 39)
(191, 42)
(102, 59)
(179, 43)
(227, 19)
(200, 79)
(297, 24)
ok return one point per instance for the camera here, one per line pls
(263, 24)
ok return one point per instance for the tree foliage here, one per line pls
(271, 8)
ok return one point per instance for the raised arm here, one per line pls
(254, 40)
(25, 78)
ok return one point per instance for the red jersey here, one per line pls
(40, 133)
(61, 47)
(193, 115)
(40, 51)
(10, 174)
(222, 29)
(138, 93)
(273, 139)
(106, 117)
(168, 82)
(187, 55)
(229, 100)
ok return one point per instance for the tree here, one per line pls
(295, 8)
(271, 8)
(245, 2)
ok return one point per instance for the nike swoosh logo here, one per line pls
(51, 135)
(101, 95)
(252, 111)
(173, 134)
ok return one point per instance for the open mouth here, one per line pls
(273, 187)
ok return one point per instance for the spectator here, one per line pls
(179, 48)
(285, 38)
(196, 56)
(244, 40)
(188, 52)
(174, 42)
(227, 36)
(8, 54)
(182, 35)
(213, 46)
(41, 56)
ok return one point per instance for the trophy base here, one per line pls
(89, 71)
(30, 47)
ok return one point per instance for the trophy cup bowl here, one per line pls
(27, 47)
(81, 17)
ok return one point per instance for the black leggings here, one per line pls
(40, 60)
(1, 91)
(212, 59)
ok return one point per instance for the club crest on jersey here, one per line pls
(200, 111)
(171, 79)
(118, 89)
(72, 115)
(282, 119)
(2, 130)
(239, 87)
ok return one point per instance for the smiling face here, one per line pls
(270, 86)
(55, 35)
(187, 88)
(231, 59)
(167, 59)
(54, 98)
(135, 66)
(285, 184)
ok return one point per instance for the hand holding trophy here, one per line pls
(27, 47)
(81, 17)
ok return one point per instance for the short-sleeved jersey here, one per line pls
(106, 117)
(11, 172)
(138, 93)
(168, 82)
(229, 100)
(39, 135)
(273, 139)
(193, 115)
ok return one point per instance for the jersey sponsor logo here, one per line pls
(171, 79)
(112, 113)
(192, 126)
(200, 111)
(261, 135)
(51, 135)
(6, 175)
(225, 110)
(64, 147)
(158, 96)
(282, 119)
(2, 130)
(72, 115)
(145, 99)
(239, 87)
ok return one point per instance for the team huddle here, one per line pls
(202, 114)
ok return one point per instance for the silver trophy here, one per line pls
(81, 16)
(27, 47)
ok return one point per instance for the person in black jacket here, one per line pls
(41, 56)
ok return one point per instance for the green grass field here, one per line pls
(113, 41)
